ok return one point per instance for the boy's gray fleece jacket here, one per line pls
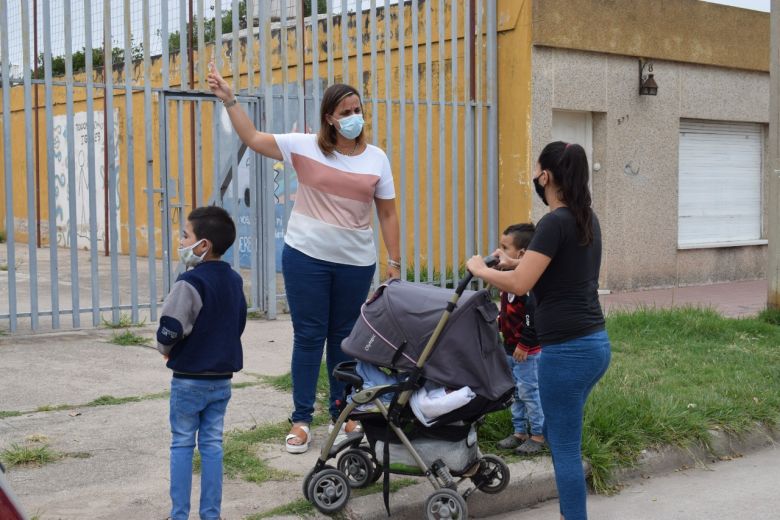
(202, 320)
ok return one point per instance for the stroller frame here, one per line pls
(328, 488)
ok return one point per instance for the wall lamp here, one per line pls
(647, 84)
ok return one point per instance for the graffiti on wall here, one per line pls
(80, 138)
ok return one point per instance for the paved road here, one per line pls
(744, 488)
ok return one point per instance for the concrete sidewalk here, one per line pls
(116, 457)
(733, 299)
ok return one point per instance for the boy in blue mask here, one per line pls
(200, 330)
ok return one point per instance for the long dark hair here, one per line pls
(569, 166)
(326, 137)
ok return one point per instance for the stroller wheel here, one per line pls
(309, 475)
(329, 491)
(356, 464)
(446, 504)
(493, 476)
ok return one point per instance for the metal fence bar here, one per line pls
(468, 136)
(429, 137)
(150, 191)
(300, 70)
(165, 190)
(110, 168)
(199, 158)
(32, 220)
(329, 29)
(415, 142)
(454, 151)
(218, 35)
(235, 159)
(250, 47)
(7, 162)
(374, 111)
(202, 69)
(47, 73)
(255, 181)
(315, 66)
(401, 126)
(268, 216)
(165, 56)
(479, 168)
(235, 50)
(182, 193)
(492, 130)
(92, 173)
(69, 132)
(344, 43)
(442, 148)
(130, 143)
(183, 49)
(285, 105)
(359, 46)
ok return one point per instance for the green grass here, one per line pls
(771, 316)
(674, 376)
(129, 338)
(4, 414)
(28, 455)
(125, 321)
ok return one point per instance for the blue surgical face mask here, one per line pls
(188, 257)
(351, 126)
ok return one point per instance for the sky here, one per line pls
(756, 5)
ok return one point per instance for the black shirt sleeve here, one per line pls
(548, 236)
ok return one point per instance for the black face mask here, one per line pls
(540, 190)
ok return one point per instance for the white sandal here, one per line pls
(298, 448)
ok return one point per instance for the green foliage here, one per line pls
(108, 400)
(322, 7)
(674, 376)
(4, 414)
(28, 455)
(771, 316)
(129, 338)
(125, 321)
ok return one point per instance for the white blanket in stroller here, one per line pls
(428, 403)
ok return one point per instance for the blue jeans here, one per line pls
(567, 373)
(325, 299)
(527, 415)
(197, 407)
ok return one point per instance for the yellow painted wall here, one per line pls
(689, 31)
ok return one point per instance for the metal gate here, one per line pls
(109, 136)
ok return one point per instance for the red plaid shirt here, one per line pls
(516, 322)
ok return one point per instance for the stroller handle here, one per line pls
(490, 261)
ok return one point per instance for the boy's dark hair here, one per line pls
(215, 225)
(521, 234)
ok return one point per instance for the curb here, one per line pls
(533, 481)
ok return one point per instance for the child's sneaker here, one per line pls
(513, 441)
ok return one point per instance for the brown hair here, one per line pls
(333, 95)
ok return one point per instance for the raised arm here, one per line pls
(261, 142)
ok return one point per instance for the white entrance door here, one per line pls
(575, 127)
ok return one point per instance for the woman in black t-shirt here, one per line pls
(561, 266)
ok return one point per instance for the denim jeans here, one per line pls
(567, 373)
(197, 407)
(325, 300)
(527, 415)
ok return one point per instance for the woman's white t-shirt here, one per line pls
(331, 216)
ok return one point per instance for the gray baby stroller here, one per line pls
(422, 335)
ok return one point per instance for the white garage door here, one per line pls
(719, 183)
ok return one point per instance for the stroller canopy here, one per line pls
(396, 323)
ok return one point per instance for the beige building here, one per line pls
(679, 178)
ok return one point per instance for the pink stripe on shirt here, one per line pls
(332, 209)
(355, 186)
